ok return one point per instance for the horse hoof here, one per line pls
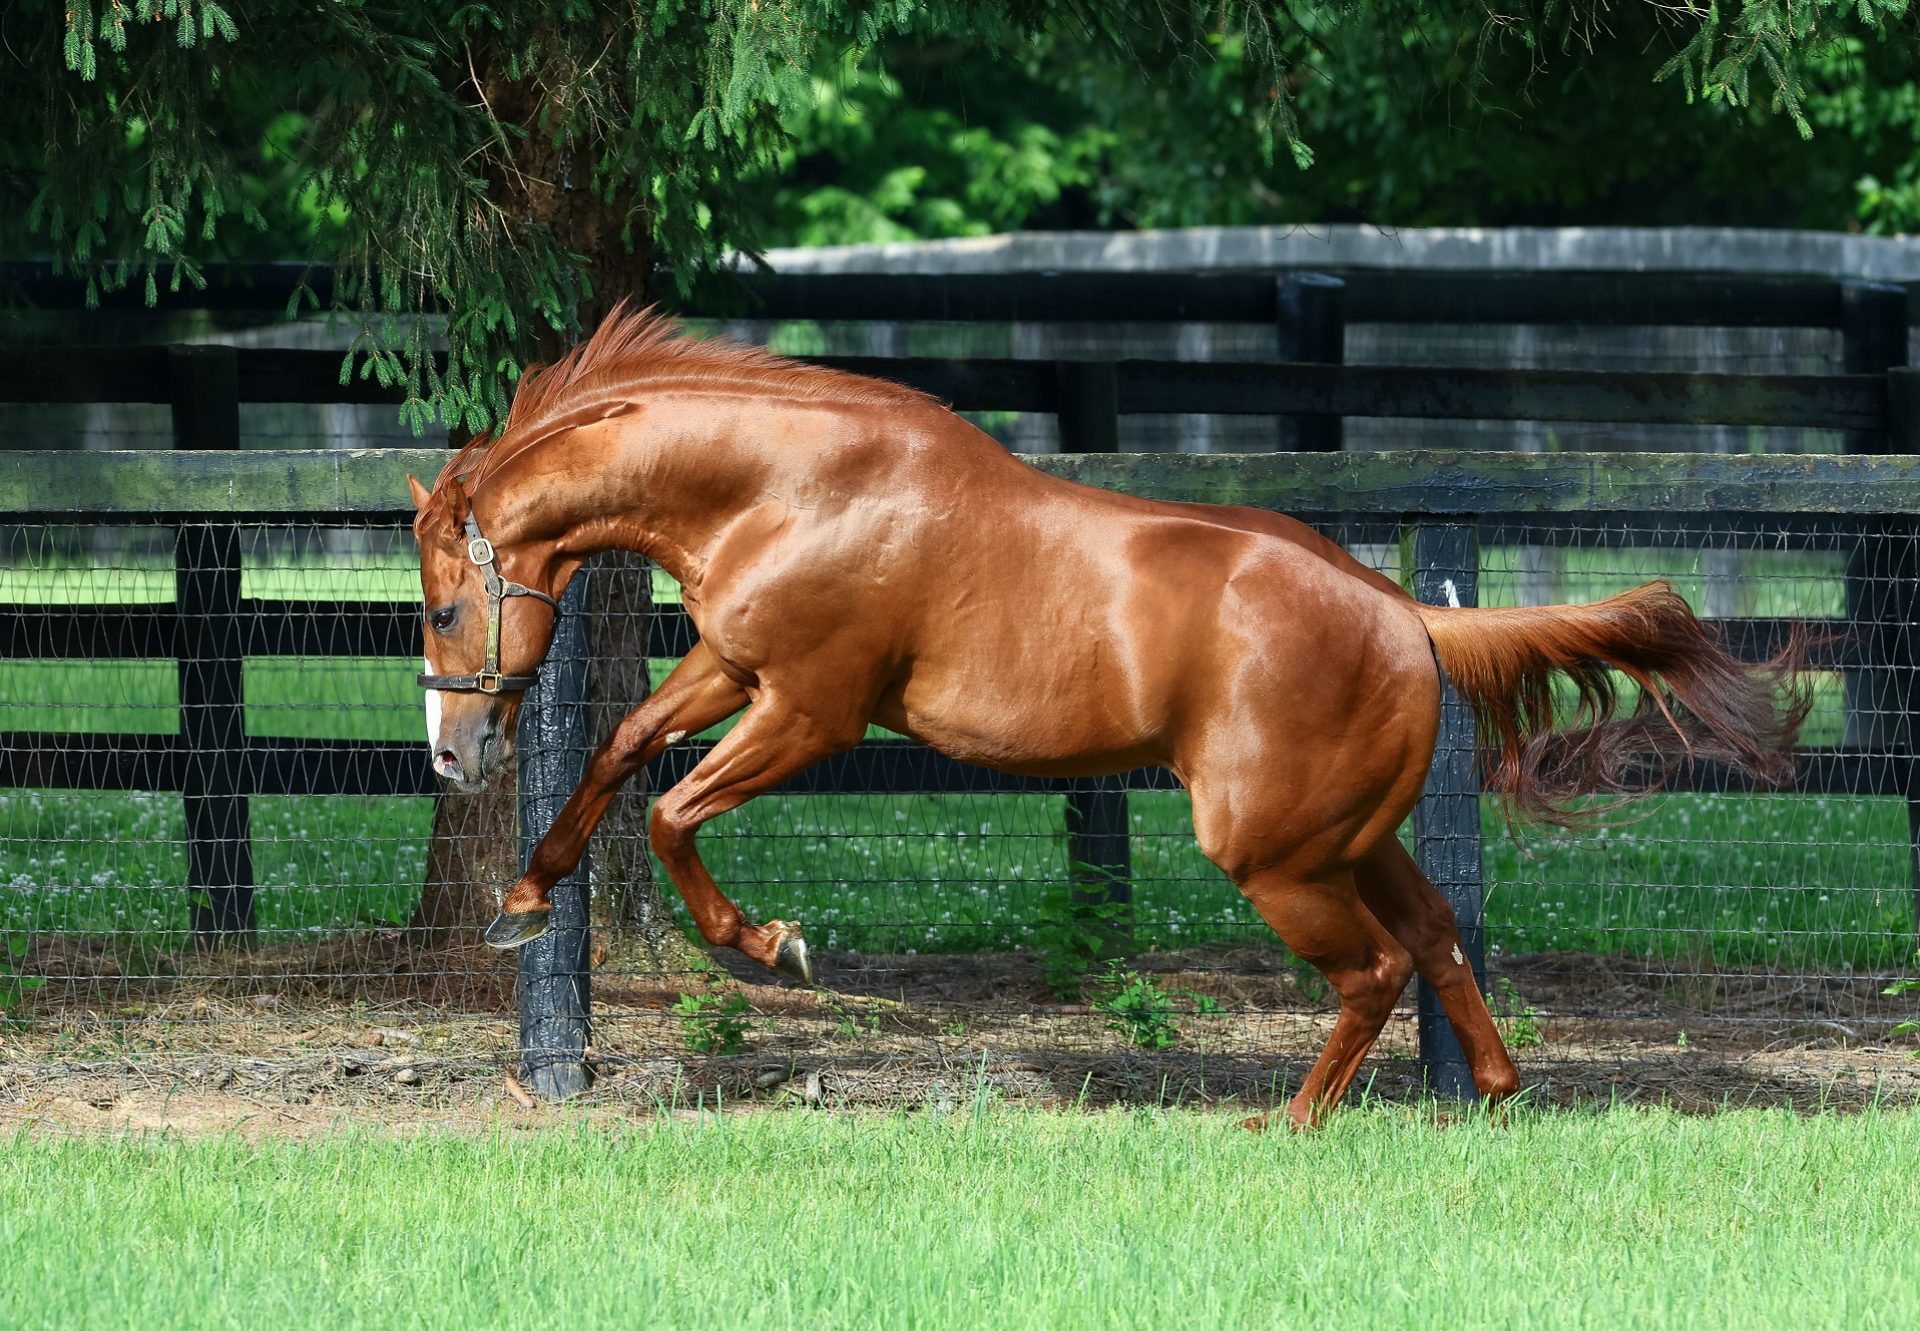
(518, 928)
(1261, 1122)
(790, 958)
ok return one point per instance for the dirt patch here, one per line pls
(394, 1035)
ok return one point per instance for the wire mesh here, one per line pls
(1781, 914)
(1747, 922)
(151, 764)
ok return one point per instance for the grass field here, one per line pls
(981, 1218)
(1807, 882)
(1816, 882)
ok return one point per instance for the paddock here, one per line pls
(215, 809)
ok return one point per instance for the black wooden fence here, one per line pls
(1448, 500)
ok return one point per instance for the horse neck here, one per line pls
(626, 484)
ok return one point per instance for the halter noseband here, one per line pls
(489, 680)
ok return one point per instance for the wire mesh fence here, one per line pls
(158, 770)
(209, 735)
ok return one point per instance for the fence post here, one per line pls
(1099, 844)
(1446, 822)
(206, 415)
(1873, 332)
(1310, 317)
(1901, 656)
(1873, 338)
(555, 997)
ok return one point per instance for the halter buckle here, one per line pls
(489, 681)
(480, 551)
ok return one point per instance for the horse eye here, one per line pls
(442, 620)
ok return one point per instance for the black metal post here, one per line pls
(1099, 836)
(1446, 822)
(555, 973)
(1310, 310)
(206, 415)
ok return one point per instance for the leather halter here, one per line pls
(489, 679)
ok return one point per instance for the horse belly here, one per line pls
(1034, 723)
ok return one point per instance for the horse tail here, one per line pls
(1695, 701)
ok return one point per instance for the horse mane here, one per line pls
(632, 350)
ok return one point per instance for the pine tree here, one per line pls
(516, 167)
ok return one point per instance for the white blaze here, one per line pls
(433, 711)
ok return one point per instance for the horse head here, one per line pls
(474, 623)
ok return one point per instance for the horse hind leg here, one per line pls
(1408, 905)
(770, 744)
(1322, 918)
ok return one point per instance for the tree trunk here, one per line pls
(471, 862)
(634, 930)
(474, 857)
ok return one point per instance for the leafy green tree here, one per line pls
(1410, 123)
(512, 168)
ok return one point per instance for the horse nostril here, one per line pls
(447, 765)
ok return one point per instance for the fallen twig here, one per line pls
(518, 1092)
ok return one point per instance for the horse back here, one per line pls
(1083, 631)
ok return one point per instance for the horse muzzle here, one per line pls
(469, 766)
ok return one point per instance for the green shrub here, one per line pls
(1137, 1007)
(711, 1024)
(1518, 1020)
(1072, 934)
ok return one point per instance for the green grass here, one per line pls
(53, 579)
(1809, 882)
(982, 1220)
(115, 865)
(1790, 583)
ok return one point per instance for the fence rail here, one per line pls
(1878, 403)
(154, 487)
(1597, 299)
(1648, 298)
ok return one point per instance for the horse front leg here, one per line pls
(694, 696)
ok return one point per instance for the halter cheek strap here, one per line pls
(489, 679)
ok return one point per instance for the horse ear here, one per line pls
(458, 504)
(444, 507)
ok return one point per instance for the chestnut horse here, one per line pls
(852, 552)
